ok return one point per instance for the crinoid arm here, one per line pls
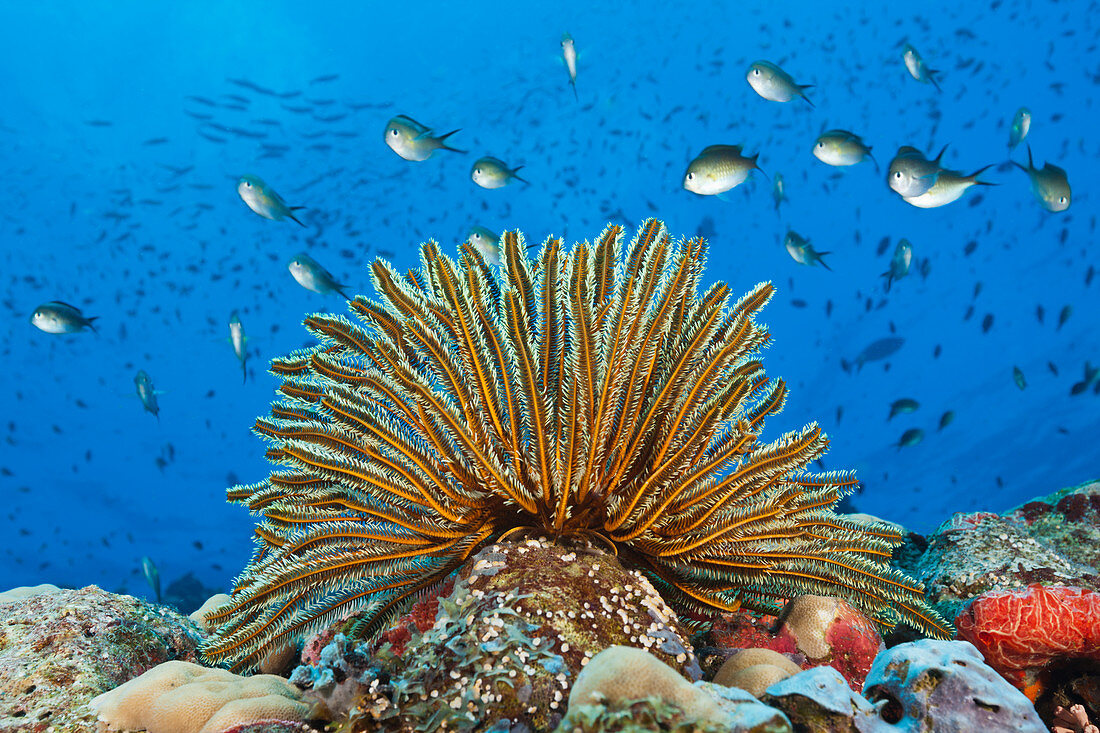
(596, 392)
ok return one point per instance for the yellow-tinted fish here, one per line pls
(910, 437)
(1021, 125)
(917, 68)
(949, 187)
(899, 263)
(842, 148)
(237, 338)
(263, 199)
(58, 317)
(414, 141)
(146, 393)
(801, 251)
(718, 169)
(311, 276)
(486, 242)
(902, 407)
(774, 84)
(569, 53)
(1049, 184)
(490, 172)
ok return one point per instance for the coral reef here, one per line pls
(592, 393)
(60, 648)
(755, 670)
(820, 700)
(181, 697)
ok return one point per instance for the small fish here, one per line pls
(569, 54)
(899, 263)
(910, 437)
(842, 148)
(917, 68)
(58, 317)
(1021, 125)
(237, 339)
(774, 84)
(949, 187)
(1091, 375)
(801, 251)
(718, 169)
(146, 393)
(1049, 184)
(779, 191)
(490, 172)
(414, 141)
(263, 200)
(486, 242)
(311, 276)
(152, 577)
(878, 349)
(910, 173)
(946, 419)
(1063, 315)
(1018, 377)
(902, 407)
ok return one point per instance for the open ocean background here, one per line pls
(122, 135)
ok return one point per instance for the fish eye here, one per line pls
(477, 171)
(248, 184)
(1061, 199)
(691, 176)
(821, 143)
(394, 131)
(897, 174)
(756, 71)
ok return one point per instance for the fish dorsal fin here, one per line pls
(63, 303)
(908, 150)
(413, 122)
(722, 149)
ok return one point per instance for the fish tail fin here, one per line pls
(974, 176)
(802, 93)
(757, 165)
(1030, 163)
(441, 138)
(574, 85)
(819, 256)
(514, 175)
(932, 78)
(89, 324)
(873, 160)
(290, 213)
(889, 279)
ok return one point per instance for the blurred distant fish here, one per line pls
(324, 78)
(263, 199)
(917, 68)
(899, 263)
(1021, 125)
(801, 251)
(1018, 377)
(842, 148)
(152, 577)
(910, 173)
(902, 407)
(949, 187)
(237, 339)
(1092, 374)
(569, 54)
(1050, 185)
(946, 419)
(1064, 314)
(910, 437)
(311, 276)
(486, 242)
(718, 169)
(414, 141)
(874, 351)
(58, 317)
(774, 84)
(490, 172)
(146, 393)
(779, 191)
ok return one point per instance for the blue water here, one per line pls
(97, 213)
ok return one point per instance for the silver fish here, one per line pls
(58, 317)
(263, 199)
(910, 173)
(311, 276)
(774, 84)
(152, 577)
(490, 172)
(718, 169)
(842, 148)
(917, 68)
(1049, 184)
(146, 393)
(899, 263)
(486, 242)
(414, 141)
(237, 339)
(949, 187)
(779, 191)
(569, 54)
(1021, 125)
(801, 251)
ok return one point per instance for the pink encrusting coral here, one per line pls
(1021, 632)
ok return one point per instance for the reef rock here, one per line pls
(522, 621)
(821, 701)
(944, 686)
(61, 648)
